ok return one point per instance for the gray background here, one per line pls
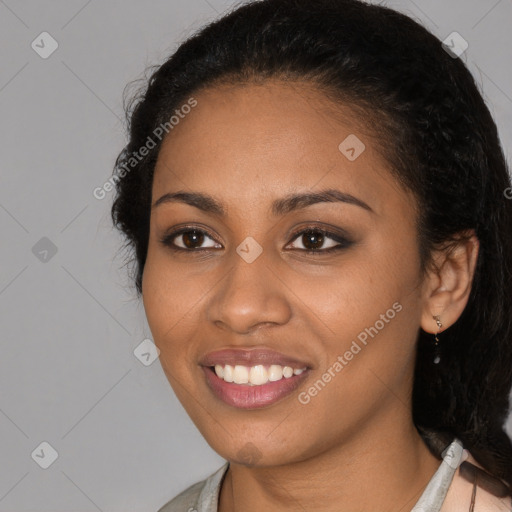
(70, 322)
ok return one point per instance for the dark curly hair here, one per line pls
(440, 141)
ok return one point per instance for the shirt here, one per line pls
(203, 496)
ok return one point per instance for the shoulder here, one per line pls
(458, 498)
(202, 494)
(185, 500)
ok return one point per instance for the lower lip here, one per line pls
(244, 396)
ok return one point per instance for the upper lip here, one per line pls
(250, 357)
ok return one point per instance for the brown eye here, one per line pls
(191, 240)
(312, 241)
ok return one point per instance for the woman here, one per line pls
(315, 195)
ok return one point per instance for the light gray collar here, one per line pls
(431, 500)
(434, 494)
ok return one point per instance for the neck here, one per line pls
(380, 468)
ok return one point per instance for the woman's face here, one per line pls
(244, 279)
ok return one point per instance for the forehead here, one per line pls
(246, 142)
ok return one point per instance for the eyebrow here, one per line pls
(280, 207)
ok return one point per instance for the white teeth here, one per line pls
(287, 372)
(255, 375)
(228, 373)
(240, 375)
(258, 375)
(275, 372)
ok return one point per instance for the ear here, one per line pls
(447, 286)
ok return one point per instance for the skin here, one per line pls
(354, 445)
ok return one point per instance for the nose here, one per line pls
(250, 296)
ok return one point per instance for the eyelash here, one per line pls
(343, 242)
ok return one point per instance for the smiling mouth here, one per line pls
(245, 394)
(257, 375)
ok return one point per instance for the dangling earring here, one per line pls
(437, 356)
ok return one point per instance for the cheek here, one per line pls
(167, 298)
(174, 298)
(365, 286)
(372, 306)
